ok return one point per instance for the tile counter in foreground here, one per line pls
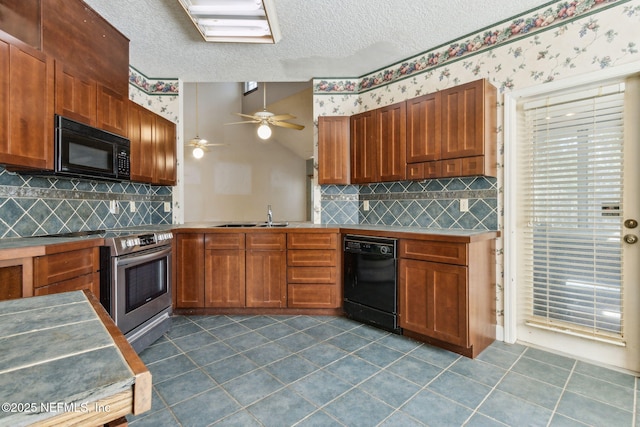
(64, 362)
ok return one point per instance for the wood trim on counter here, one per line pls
(142, 386)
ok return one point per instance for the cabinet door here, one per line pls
(165, 151)
(224, 278)
(189, 270)
(424, 121)
(392, 142)
(433, 300)
(75, 95)
(463, 120)
(141, 124)
(112, 111)
(16, 277)
(266, 279)
(54, 268)
(333, 150)
(26, 107)
(364, 147)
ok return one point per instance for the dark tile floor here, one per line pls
(331, 371)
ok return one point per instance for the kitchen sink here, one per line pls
(234, 225)
(251, 224)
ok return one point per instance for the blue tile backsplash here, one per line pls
(430, 204)
(31, 205)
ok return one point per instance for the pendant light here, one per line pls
(199, 144)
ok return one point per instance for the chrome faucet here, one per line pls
(269, 216)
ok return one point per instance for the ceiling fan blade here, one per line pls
(287, 125)
(282, 117)
(247, 116)
(239, 123)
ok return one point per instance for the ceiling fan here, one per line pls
(200, 144)
(265, 118)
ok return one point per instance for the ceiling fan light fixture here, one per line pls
(198, 152)
(264, 131)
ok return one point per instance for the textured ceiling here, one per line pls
(328, 38)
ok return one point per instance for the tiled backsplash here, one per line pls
(31, 205)
(431, 204)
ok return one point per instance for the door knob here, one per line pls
(631, 223)
(630, 239)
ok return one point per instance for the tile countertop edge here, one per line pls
(459, 235)
(15, 248)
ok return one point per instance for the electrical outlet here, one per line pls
(365, 205)
(167, 207)
(113, 206)
(464, 205)
(132, 206)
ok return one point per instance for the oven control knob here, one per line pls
(384, 250)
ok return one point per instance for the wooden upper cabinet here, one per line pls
(333, 150)
(468, 120)
(164, 142)
(26, 105)
(392, 133)
(423, 128)
(21, 19)
(141, 124)
(78, 36)
(112, 110)
(364, 147)
(75, 95)
(153, 146)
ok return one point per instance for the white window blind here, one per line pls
(571, 166)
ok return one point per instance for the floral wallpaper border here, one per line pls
(542, 19)
(168, 86)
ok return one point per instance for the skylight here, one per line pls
(234, 21)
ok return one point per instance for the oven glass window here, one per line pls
(145, 282)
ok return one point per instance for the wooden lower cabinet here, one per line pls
(253, 270)
(433, 300)
(189, 268)
(16, 278)
(266, 279)
(224, 283)
(67, 270)
(312, 271)
(446, 293)
(266, 270)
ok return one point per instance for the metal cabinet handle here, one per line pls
(630, 239)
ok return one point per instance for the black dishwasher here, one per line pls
(370, 281)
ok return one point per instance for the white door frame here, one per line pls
(511, 100)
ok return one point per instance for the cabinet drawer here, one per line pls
(312, 258)
(224, 241)
(448, 253)
(59, 267)
(451, 167)
(88, 281)
(266, 241)
(311, 275)
(312, 296)
(467, 166)
(312, 240)
(473, 166)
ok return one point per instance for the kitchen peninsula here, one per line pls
(65, 362)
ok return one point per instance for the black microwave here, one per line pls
(82, 151)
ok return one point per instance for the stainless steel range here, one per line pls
(135, 283)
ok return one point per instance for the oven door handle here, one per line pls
(142, 257)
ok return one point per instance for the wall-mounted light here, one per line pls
(264, 131)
